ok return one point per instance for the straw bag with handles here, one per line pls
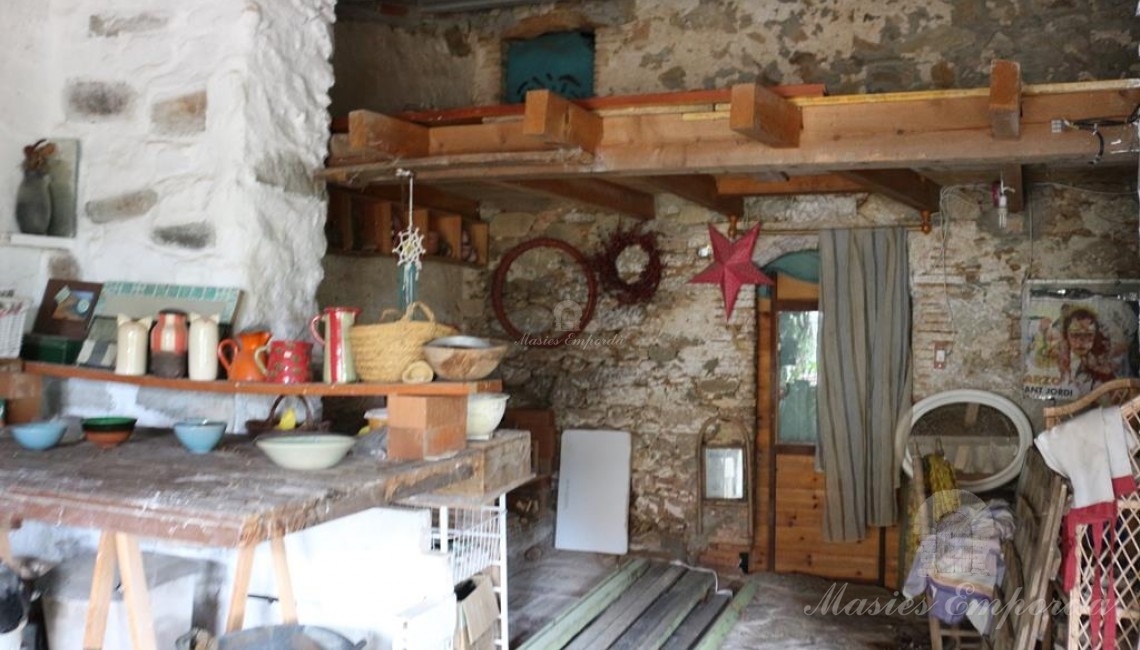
(382, 351)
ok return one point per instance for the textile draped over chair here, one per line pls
(865, 380)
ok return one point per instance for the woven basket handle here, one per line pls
(423, 308)
(307, 424)
(388, 313)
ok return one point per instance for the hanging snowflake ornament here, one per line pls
(732, 266)
(409, 248)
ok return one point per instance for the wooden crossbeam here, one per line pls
(902, 185)
(594, 192)
(764, 116)
(388, 135)
(699, 189)
(425, 196)
(1005, 100)
(556, 120)
(1011, 177)
(748, 185)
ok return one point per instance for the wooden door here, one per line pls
(790, 492)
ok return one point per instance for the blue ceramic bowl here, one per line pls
(38, 435)
(199, 436)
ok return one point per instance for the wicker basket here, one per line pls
(267, 426)
(13, 311)
(382, 351)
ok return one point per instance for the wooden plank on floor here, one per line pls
(698, 623)
(569, 623)
(633, 603)
(653, 629)
(728, 618)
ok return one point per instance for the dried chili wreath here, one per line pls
(606, 263)
(501, 278)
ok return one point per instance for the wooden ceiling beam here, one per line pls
(764, 116)
(1005, 100)
(594, 192)
(1011, 178)
(699, 189)
(387, 135)
(556, 120)
(902, 185)
(424, 196)
(748, 185)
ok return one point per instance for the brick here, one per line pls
(405, 443)
(424, 412)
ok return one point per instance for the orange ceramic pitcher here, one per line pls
(241, 364)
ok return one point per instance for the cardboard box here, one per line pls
(427, 411)
(415, 444)
(478, 615)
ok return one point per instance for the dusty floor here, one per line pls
(541, 588)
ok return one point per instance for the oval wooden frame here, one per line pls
(500, 279)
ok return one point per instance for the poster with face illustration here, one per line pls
(1072, 343)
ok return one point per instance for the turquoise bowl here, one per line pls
(199, 436)
(38, 435)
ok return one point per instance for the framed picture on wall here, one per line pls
(1077, 335)
(67, 308)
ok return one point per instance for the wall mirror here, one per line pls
(724, 472)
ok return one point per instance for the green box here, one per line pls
(53, 349)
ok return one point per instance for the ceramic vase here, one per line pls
(33, 203)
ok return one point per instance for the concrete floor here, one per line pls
(551, 581)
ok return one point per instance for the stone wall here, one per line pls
(661, 369)
(647, 46)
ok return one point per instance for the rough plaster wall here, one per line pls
(371, 285)
(28, 93)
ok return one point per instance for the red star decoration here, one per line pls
(732, 266)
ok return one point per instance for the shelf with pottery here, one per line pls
(357, 389)
(362, 225)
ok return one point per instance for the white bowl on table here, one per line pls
(484, 413)
(306, 451)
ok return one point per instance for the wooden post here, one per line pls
(764, 116)
(136, 596)
(102, 586)
(242, 573)
(284, 583)
(556, 120)
(1005, 100)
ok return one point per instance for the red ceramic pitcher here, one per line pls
(339, 367)
(237, 357)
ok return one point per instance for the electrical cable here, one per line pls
(716, 577)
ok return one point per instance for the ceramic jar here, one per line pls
(237, 355)
(168, 344)
(130, 348)
(338, 367)
(202, 348)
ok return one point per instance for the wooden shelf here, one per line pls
(266, 388)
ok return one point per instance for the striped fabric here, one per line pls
(865, 382)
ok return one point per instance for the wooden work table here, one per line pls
(232, 497)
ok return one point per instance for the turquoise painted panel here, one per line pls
(562, 62)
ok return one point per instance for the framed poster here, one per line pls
(67, 308)
(1077, 335)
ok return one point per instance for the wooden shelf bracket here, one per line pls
(764, 116)
(381, 133)
(556, 120)
(1005, 100)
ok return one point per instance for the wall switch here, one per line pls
(941, 351)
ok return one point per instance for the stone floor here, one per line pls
(550, 581)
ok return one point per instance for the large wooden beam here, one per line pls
(425, 196)
(388, 135)
(942, 129)
(1005, 100)
(764, 116)
(902, 185)
(594, 192)
(556, 120)
(1011, 177)
(699, 189)
(748, 185)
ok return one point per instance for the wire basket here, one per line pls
(13, 312)
(470, 536)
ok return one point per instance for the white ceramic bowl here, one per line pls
(306, 452)
(484, 413)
